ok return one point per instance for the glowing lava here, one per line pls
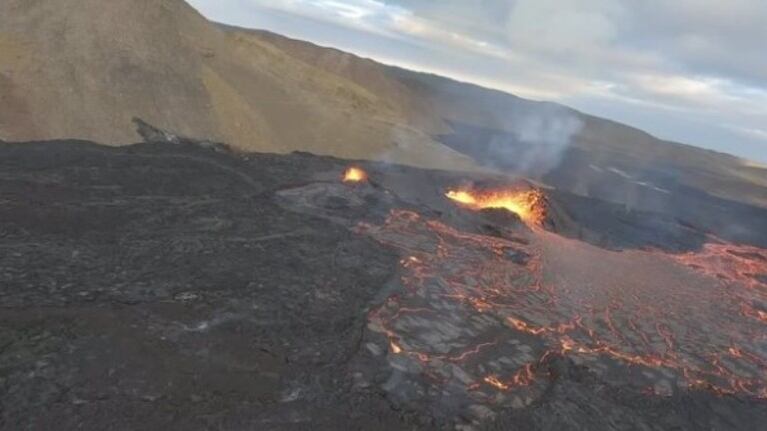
(730, 263)
(355, 175)
(527, 204)
(734, 264)
(474, 320)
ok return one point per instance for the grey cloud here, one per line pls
(722, 38)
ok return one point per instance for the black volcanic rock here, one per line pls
(167, 286)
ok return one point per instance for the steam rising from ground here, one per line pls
(531, 139)
(538, 142)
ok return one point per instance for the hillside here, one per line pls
(84, 68)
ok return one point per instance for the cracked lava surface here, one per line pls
(180, 287)
(476, 316)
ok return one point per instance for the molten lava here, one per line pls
(469, 315)
(527, 204)
(355, 175)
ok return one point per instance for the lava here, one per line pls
(527, 204)
(496, 382)
(730, 263)
(395, 348)
(355, 175)
(466, 304)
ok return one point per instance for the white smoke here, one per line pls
(538, 141)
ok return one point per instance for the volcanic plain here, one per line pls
(176, 284)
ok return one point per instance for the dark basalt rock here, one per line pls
(517, 256)
(167, 286)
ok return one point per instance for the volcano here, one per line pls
(309, 240)
(177, 284)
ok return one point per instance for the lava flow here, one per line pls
(734, 265)
(471, 316)
(354, 175)
(730, 263)
(527, 204)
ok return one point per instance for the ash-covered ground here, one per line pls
(179, 286)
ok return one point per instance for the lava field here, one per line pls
(179, 285)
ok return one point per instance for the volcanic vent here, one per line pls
(530, 205)
(354, 174)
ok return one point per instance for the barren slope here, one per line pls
(84, 68)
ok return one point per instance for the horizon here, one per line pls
(721, 112)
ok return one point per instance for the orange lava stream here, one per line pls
(730, 263)
(527, 204)
(453, 279)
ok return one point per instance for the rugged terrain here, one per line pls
(187, 284)
(178, 285)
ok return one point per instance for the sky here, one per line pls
(691, 71)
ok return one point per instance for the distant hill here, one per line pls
(85, 68)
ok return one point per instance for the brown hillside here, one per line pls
(84, 68)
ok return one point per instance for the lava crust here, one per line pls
(177, 285)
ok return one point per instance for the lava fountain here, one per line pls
(529, 205)
(354, 175)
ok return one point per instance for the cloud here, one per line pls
(369, 15)
(561, 26)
